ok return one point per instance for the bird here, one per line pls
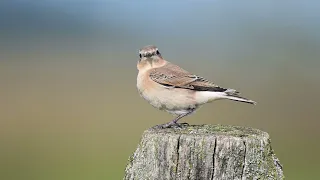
(170, 88)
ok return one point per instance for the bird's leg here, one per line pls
(175, 120)
(169, 124)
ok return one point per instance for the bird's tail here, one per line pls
(234, 95)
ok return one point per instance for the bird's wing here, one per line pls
(172, 75)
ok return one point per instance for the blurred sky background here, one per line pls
(69, 105)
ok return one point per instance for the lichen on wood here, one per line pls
(204, 152)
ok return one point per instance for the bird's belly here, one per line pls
(175, 101)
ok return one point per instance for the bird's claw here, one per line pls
(171, 125)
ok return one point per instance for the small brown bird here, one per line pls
(168, 87)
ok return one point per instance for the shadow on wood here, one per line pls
(204, 152)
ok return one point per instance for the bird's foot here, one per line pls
(171, 125)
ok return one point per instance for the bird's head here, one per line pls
(149, 56)
(150, 51)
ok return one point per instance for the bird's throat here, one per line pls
(151, 61)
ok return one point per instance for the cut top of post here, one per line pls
(225, 130)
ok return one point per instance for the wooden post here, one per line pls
(204, 152)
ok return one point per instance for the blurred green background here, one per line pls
(69, 105)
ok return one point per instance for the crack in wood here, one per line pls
(244, 159)
(214, 158)
(177, 164)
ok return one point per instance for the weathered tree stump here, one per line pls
(204, 152)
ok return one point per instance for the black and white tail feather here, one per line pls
(234, 95)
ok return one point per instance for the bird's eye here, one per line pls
(158, 52)
(140, 55)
